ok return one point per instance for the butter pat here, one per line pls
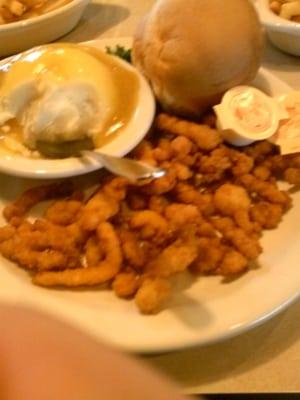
(246, 115)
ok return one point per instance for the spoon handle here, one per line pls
(125, 167)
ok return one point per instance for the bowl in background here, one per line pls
(284, 34)
(22, 35)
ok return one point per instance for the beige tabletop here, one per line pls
(266, 359)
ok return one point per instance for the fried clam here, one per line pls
(38, 249)
(228, 199)
(210, 255)
(292, 176)
(152, 294)
(162, 185)
(150, 225)
(265, 190)
(180, 215)
(182, 147)
(64, 212)
(126, 284)
(106, 270)
(158, 203)
(134, 251)
(267, 215)
(244, 220)
(6, 233)
(144, 152)
(203, 136)
(23, 204)
(233, 263)
(189, 194)
(247, 245)
(174, 258)
(104, 204)
(213, 166)
(93, 251)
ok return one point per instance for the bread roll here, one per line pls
(192, 51)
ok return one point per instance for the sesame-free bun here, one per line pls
(192, 51)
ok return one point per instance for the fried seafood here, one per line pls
(179, 215)
(177, 257)
(97, 210)
(213, 167)
(203, 136)
(210, 254)
(164, 184)
(150, 224)
(6, 233)
(266, 190)
(36, 249)
(233, 263)
(266, 215)
(245, 244)
(63, 212)
(243, 220)
(152, 294)
(229, 199)
(126, 284)
(104, 204)
(106, 269)
(188, 194)
(133, 250)
(206, 216)
(34, 196)
(158, 203)
(292, 176)
(93, 252)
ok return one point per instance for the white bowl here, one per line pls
(135, 130)
(19, 36)
(282, 33)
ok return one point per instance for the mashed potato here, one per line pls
(56, 93)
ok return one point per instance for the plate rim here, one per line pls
(245, 326)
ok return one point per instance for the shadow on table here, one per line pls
(280, 61)
(97, 19)
(207, 364)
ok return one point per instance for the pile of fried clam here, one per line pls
(206, 216)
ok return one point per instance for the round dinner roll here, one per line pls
(192, 51)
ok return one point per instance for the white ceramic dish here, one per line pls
(22, 35)
(204, 311)
(282, 33)
(130, 136)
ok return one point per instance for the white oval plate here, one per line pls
(123, 143)
(204, 311)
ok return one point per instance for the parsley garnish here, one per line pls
(120, 51)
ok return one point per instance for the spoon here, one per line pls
(125, 167)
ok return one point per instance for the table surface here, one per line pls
(266, 359)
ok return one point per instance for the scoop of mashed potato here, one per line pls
(192, 51)
(63, 113)
(57, 93)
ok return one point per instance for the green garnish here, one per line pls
(120, 51)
